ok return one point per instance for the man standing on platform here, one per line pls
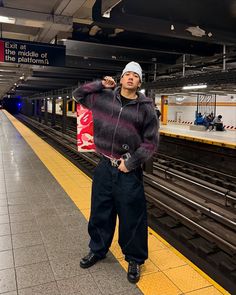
(126, 135)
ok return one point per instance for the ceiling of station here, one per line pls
(169, 38)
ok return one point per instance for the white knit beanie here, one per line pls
(133, 67)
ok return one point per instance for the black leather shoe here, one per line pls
(133, 272)
(89, 260)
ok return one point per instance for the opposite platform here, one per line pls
(219, 138)
(43, 234)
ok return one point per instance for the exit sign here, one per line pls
(15, 51)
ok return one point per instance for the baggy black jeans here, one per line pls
(117, 193)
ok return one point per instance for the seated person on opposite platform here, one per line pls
(199, 119)
(208, 122)
(218, 124)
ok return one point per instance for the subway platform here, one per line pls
(220, 138)
(44, 208)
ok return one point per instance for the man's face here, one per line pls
(130, 81)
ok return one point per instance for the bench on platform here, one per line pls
(197, 127)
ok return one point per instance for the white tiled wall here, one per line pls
(187, 113)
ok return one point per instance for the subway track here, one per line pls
(169, 164)
(196, 216)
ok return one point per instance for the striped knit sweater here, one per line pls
(118, 130)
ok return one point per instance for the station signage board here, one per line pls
(33, 53)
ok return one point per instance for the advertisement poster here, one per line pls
(84, 130)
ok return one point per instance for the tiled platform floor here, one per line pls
(43, 233)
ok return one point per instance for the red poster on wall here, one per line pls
(84, 129)
(1, 50)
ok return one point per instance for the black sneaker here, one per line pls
(89, 260)
(133, 272)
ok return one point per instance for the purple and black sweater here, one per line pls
(132, 128)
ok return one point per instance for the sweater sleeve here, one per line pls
(148, 146)
(85, 93)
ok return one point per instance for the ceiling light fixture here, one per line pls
(196, 31)
(106, 11)
(7, 20)
(200, 86)
(94, 30)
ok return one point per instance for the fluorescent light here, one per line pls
(179, 99)
(200, 86)
(8, 20)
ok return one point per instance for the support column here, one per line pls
(27, 107)
(40, 110)
(184, 64)
(64, 114)
(31, 108)
(45, 111)
(53, 122)
(164, 109)
(35, 108)
(224, 58)
(73, 106)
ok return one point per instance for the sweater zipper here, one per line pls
(117, 123)
(113, 137)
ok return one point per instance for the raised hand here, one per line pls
(108, 82)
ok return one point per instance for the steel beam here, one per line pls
(52, 81)
(111, 52)
(158, 27)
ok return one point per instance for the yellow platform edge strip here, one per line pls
(202, 273)
(25, 132)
